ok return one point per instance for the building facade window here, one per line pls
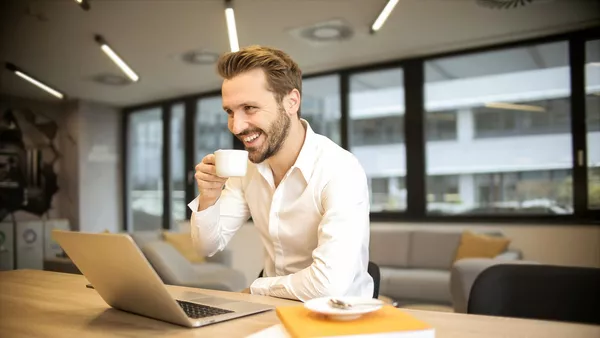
(321, 106)
(513, 132)
(376, 127)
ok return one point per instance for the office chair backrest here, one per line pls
(546, 292)
(372, 269)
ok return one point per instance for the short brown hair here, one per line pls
(282, 73)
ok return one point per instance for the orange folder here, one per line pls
(385, 322)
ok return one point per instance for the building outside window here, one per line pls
(511, 151)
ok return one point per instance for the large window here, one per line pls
(592, 89)
(177, 162)
(377, 135)
(491, 134)
(212, 133)
(145, 181)
(321, 105)
(511, 151)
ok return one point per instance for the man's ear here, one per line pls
(291, 102)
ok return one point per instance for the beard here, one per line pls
(275, 136)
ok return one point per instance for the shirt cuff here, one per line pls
(272, 286)
(208, 212)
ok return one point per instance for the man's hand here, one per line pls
(246, 290)
(210, 185)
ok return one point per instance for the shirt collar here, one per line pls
(306, 158)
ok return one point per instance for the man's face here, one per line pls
(255, 116)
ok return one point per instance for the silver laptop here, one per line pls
(124, 278)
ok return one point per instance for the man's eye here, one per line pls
(249, 108)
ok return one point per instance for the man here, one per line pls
(308, 197)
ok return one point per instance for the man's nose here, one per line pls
(238, 124)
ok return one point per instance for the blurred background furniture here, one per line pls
(415, 265)
(175, 269)
(464, 273)
(546, 292)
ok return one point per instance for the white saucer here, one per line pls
(322, 306)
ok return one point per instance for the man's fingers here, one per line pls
(210, 185)
(200, 176)
(209, 159)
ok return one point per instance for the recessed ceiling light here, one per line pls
(116, 58)
(84, 4)
(385, 13)
(513, 106)
(22, 74)
(231, 27)
(196, 57)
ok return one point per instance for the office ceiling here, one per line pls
(54, 39)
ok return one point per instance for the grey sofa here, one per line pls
(174, 269)
(415, 265)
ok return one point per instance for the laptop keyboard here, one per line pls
(195, 311)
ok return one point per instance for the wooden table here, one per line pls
(51, 304)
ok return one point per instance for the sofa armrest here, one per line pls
(510, 255)
(463, 275)
(224, 257)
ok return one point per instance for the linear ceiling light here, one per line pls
(231, 29)
(389, 7)
(84, 4)
(116, 59)
(34, 81)
(512, 106)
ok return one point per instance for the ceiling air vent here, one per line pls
(503, 4)
(111, 79)
(324, 32)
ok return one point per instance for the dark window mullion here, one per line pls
(190, 151)
(414, 134)
(166, 166)
(345, 109)
(125, 125)
(578, 126)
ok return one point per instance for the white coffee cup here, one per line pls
(231, 162)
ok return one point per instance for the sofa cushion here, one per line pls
(218, 277)
(169, 264)
(389, 247)
(433, 249)
(480, 246)
(142, 237)
(183, 243)
(416, 284)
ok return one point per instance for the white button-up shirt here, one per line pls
(314, 224)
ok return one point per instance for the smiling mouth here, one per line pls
(250, 140)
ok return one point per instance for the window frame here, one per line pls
(414, 137)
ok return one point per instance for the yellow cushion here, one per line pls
(480, 246)
(182, 241)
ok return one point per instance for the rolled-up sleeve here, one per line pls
(213, 227)
(343, 236)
